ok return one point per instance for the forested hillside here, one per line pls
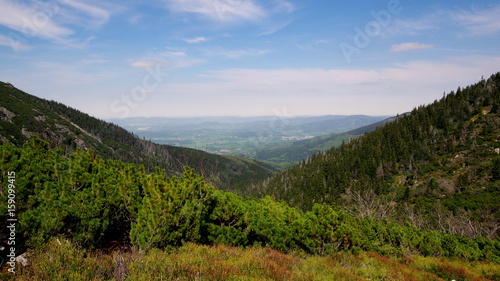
(365, 213)
(23, 116)
(289, 154)
(437, 167)
(95, 202)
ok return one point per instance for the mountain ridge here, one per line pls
(420, 168)
(23, 116)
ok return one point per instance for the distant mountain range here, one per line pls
(274, 125)
(278, 140)
(437, 167)
(23, 116)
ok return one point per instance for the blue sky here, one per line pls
(246, 57)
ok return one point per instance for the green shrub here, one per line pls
(173, 211)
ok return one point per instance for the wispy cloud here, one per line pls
(13, 43)
(236, 11)
(85, 13)
(472, 22)
(218, 52)
(195, 40)
(372, 91)
(410, 46)
(234, 54)
(271, 28)
(32, 21)
(92, 61)
(180, 59)
(478, 22)
(414, 26)
(53, 21)
(219, 10)
(314, 45)
(135, 18)
(149, 63)
(282, 6)
(170, 59)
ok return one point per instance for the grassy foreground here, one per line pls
(61, 260)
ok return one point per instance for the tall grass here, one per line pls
(61, 260)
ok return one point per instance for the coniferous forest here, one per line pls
(416, 199)
(436, 167)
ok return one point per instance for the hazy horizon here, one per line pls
(243, 116)
(177, 58)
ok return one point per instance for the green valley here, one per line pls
(411, 198)
(250, 137)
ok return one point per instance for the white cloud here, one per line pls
(415, 26)
(92, 15)
(50, 20)
(32, 21)
(167, 59)
(179, 59)
(472, 22)
(410, 46)
(376, 91)
(234, 54)
(274, 27)
(479, 22)
(149, 63)
(231, 11)
(94, 61)
(135, 19)
(13, 43)
(314, 45)
(282, 6)
(219, 10)
(195, 40)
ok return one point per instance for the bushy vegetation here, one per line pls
(93, 202)
(62, 260)
(414, 200)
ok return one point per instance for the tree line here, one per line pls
(438, 157)
(96, 202)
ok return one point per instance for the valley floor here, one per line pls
(60, 260)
